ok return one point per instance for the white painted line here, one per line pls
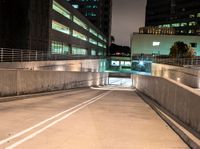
(53, 123)
(47, 120)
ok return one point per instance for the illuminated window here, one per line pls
(166, 25)
(100, 37)
(192, 16)
(91, 6)
(155, 43)
(100, 44)
(93, 32)
(191, 31)
(90, 14)
(59, 48)
(75, 6)
(176, 25)
(79, 22)
(114, 63)
(60, 27)
(127, 63)
(192, 23)
(79, 35)
(58, 8)
(93, 52)
(79, 51)
(93, 41)
(184, 24)
(198, 15)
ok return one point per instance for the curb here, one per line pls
(187, 136)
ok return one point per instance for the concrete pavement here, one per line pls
(85, 119)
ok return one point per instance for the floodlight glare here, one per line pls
(141, 63)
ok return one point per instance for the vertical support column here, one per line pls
(70, 49)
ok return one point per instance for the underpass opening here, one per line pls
(120, 80)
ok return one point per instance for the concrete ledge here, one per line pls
(192, 140)
(187, 76)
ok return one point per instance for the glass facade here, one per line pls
(93, 41)
(79, 22)
(59, 48)
(58, 8)
(79, 35)
(79, 51)
(93, 52)
(93, 32)
(65, 48)
(60, 27)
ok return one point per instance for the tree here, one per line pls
(112, 39)
(118, 50)
(181, 50)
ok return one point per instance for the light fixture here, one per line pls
(141, 63)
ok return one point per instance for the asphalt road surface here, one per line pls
(102, 118)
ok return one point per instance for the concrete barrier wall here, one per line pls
(92, 65)
(17, 82)
(187, 76)
(180, 100)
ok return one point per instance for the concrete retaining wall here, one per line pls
(187, 76)
(17, 82)
(181, 101)
(92, 65)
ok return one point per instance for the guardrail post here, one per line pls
(42, 55)
(1, 54)
(21, 55)
(12, 55)
(36, 55)
(29, 55)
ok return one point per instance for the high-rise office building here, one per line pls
(52, 26)
(99, 12)
(183, 15)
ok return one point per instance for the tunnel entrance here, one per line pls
(120, 80)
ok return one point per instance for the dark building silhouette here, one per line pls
(183, 15)
(53, 26)
(24, 24)
(99, 12)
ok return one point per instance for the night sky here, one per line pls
(128, 16)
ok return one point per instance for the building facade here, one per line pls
(147, 44)
(157, 30)
(53, 26)
(99, 12)
(183, 15)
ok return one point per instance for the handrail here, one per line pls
(25, 55)
(178, 61)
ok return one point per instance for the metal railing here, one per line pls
(24, 55)
(178, 61)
